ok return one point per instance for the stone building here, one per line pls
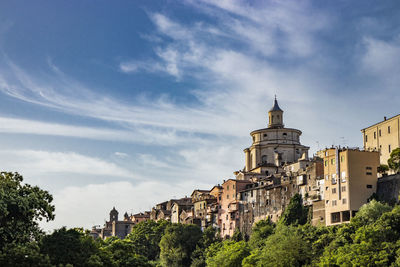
(383, 136)
(140, 217)
(272, 147)
(178, 207)
(268, 197)
(114, 227)
(228, 213)
(163, 210)
(205, 208)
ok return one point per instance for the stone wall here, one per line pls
(389, 188)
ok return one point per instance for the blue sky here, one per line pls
(133, 103)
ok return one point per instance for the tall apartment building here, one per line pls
(383, 136)
(350, 179)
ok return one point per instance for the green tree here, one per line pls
(285, 247)
(27, 254)
(210, 236)
(394, 160)
(70, 246)
(229, 254)
(370, 212)
(295, 213)
(123, 253)
(375, 243)
(383, 169)
(178, 243)
(237, 235)
(21, 207)
(146, 236)
(260, 232)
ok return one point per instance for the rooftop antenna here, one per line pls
(344, 141)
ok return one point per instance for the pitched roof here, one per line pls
(276, 106)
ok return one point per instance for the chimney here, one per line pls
(384, 118)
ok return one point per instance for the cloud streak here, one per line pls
(36, 162)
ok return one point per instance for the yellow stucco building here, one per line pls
(383, 136)
(350, 179)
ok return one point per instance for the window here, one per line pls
(368, 173)
(341, 158)
(233, 195)
(369, 185)
(390, 149)
(343, 174)
(326, 153)
(333, 190)
(343, 188)
(332, 161)
(327, 177)
(366, 138)
(264, 159)
(389, 129)
(227, 196)
(227, 216)
(227, 187)
(233, 186)
(326, 163)
(265, 135)
(368, 168)
(334, 202)
(335, 217)
(344, 201)
(380, 132)
(374, 135)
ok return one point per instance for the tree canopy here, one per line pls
(21, 207)
(394, 160)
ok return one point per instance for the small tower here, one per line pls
(113, 215)
(275, 116)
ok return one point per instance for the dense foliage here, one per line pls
(372, 238)
(394, 160)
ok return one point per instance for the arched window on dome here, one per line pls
(264, 159)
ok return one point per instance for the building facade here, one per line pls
(350, 179)
(274, 146)
(383, 136)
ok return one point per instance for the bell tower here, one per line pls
(113, 215)
(275, 116)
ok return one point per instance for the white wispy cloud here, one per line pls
(142, 135)
(36, 162)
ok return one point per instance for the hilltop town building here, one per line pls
(383, 136)
(205, 207)
(350, 179)
(272, 147)
(228, 214)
